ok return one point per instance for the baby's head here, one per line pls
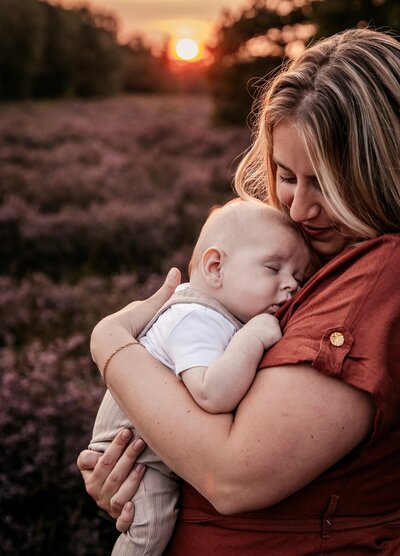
(250, 257)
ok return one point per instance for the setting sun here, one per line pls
(186, 39)
(186, 49)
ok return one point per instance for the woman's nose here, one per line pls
(303, 206)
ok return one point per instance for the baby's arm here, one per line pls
(219, 387)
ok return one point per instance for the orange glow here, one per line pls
(186, 39)
(186, 49)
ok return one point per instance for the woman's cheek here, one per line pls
(283, 193)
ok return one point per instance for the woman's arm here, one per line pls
(292, 425)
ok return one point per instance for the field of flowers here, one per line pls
(97, 200)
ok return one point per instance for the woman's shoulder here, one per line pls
(358, 281)
(365, 266)
(364, 254)
(389, 243)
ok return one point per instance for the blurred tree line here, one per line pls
(251, 45)
(50, 51)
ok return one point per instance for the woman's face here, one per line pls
(298, 189)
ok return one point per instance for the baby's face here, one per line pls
(263, 270)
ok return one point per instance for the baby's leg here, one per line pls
(155, 511)
(109, 421)
(157, 495)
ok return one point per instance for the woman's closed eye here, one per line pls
(292, 180)
(287, 179)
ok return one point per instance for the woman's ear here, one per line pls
(211, 266)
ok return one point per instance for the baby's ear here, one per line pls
(211, 266)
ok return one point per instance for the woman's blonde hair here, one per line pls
(343, 95)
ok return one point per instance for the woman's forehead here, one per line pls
(289, 152)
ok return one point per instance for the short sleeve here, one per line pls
(199, 338)
(346, 323)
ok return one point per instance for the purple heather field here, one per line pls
(98, 199)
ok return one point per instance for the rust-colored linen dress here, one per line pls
(345, 322)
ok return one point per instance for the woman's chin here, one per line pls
(329, 248)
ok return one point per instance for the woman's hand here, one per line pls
(121, 327)
(112, 478)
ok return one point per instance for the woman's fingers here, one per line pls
(112, 478)
(135, 316)
(120, 506)
(127, 490)
(162, 295)
(106, 464)
(111, 498)
(125, 520)
(111, 469)
(87, 460)
(122, 483)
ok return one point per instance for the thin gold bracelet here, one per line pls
(131, 343)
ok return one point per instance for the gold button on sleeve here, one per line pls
(336, 339)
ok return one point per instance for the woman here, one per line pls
(309, 462)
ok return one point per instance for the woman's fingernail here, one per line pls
(173, 274)
(128, 507)
(126, 434)
(139, 467)
(139, 443)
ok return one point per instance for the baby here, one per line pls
(248, 260)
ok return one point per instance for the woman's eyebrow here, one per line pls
(275, 161)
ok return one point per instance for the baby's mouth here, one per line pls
(273, 308)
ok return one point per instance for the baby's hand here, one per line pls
(265, 327)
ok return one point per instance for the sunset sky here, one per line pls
(158, 18)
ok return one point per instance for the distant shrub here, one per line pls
(126, 192)
(48, 399)
(37, 308)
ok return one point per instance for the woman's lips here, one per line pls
(316, 232)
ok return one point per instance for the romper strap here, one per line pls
(191, 295)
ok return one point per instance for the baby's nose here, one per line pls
(290, 285)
